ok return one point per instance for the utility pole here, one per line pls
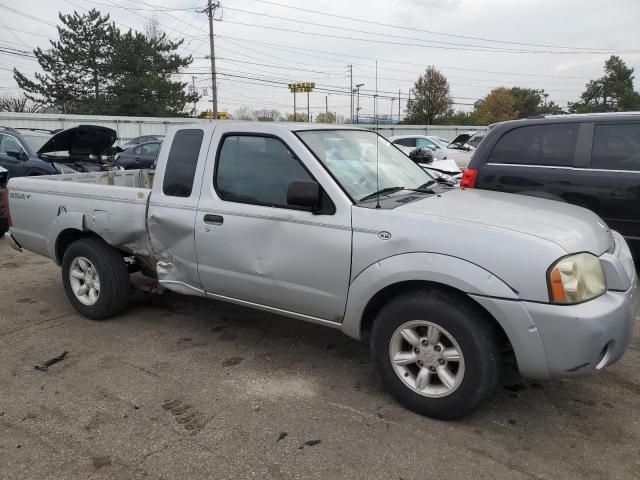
(351, 75)
(398, 105)
(211, 8)
(326, 104)
(393, 99)
(308, 109)
(193, 83)
(358, 102)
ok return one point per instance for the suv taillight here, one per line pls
(469, 178)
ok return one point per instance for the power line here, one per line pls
(432, 32)
(389, 35)
(399, 62)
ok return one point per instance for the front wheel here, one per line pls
(436, 352)
(95, 278)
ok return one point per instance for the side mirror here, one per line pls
(17, 154)
(304, 194)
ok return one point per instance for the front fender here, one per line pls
(64, 221)
(429, 267)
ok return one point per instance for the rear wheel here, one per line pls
(4, 226)
(436, 353)
(95, 278)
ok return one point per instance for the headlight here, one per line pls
(576, 278)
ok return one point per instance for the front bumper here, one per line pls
(552, 341)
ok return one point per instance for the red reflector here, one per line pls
(469, 178)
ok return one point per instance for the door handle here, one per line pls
(213, 219)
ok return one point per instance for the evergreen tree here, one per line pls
(94, 68)
(75, 70)
(611, 93)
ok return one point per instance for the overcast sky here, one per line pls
(577, 36)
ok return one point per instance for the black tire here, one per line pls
(469, 326)
(4, 226)
(112, 271)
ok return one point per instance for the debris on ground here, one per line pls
(44, 366)
(282, 436)
(310, 443)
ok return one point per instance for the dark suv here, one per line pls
(591, 160)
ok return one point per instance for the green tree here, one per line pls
(326, 117)
(76, 66)
(142, 70)
(458, 118)
(499, 105)
(96, 69)
(613, 92)
(432, 98)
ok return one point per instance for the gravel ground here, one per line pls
(181, 387)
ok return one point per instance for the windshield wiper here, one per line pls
(383, 191)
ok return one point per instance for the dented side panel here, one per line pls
(108, 204)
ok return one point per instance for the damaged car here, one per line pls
(334, 225)
(28, 152)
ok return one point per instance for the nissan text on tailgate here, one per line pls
(338, 227)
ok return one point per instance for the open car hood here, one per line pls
(461, 139)
(84, 142)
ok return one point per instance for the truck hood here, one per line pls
(574, 229)
(84, 142)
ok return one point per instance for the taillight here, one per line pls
(469, 178)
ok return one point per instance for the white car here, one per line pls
(408, 143)
(458, 149)
(445, 169)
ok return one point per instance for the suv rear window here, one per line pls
(552, 145)
(182, 162)
(616, 147)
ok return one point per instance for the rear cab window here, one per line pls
(544, 145)
(181, 164)
(616, 147)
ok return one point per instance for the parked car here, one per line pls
(335, 226)
(4, 202)
(140, 156)
(458, 149)
(588, 160)
(476, 138)
(29, 152)
(409, 142)
(444, 171)
(142, 139)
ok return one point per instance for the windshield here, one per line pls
(439, 142)
(36, 141)
(350, 156)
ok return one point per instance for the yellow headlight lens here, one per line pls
(576, 278)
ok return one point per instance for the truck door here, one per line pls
(172, 208)
(255, 249)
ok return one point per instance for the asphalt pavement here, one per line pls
(186, 388)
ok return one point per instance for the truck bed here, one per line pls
(111, 204)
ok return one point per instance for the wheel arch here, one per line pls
(385, 279)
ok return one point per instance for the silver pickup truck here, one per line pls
(336, 226)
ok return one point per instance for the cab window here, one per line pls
(256, 170)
